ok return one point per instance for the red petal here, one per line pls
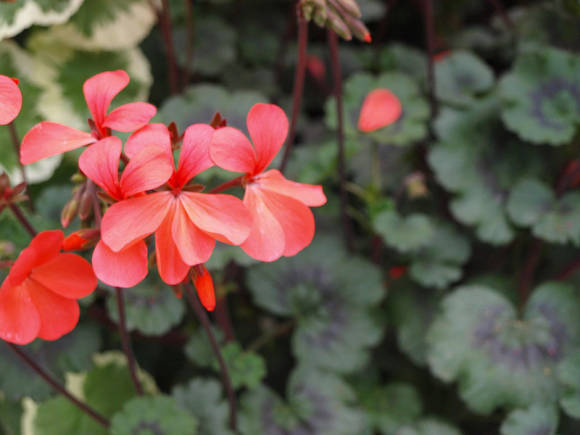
(171, 266)
(150, 135)
(19, 321)
(148, 169)
(295, 218)
(380, 108)
(230, 149)
(100, 90)
(130, 117)
(68, 275)
(49, 139)
(194, 245)
(266, 240)
(274, 181)
(204, 286)
(194, 157)
(10, 100)
(134, 219)
(100, 162)
(58, 315)
(223, 216)
(125, 268)
(268, 127)
(43, 248)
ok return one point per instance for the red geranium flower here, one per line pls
(38, 298)
(49, 138)
(10, 99)
(282, 222)
(380, 108)
(186, 223)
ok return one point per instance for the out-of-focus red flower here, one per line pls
(39, 296)
(186, 223)
(282, 222)
(380, 108)
(316, 67)
(397, 272)
(49, 138)
(10, 99)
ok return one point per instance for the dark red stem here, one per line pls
(232, 183)
(222, 316)
(126, 341)
(165, 23)
(22, 219)
(298, 90)
(58, 387)
(335, 63)
(569, 270)
(189, 46)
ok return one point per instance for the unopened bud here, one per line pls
(350, 7)
(416, 187)
(204, 286)
(81, 239)
(69, 212)
(86, 205)
(78, 178)
(337, 24)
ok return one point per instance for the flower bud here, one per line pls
(69, 212)
(81, 239)
(338, 25)
(86, 205)
(204, 286)
(350, 7)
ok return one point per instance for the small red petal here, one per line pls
(367, 38)
(380, 108)
(204, 286)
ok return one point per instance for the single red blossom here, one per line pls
(380, 108)
(283, 224)
(49, 138)
(186, 223)
(38, 297)
(10, 99)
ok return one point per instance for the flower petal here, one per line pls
(380, 108)
(204, 287)
(148, 169)
(150, 135)
(194, 157)
(10, 100)
(19, 320)
(100, 162)
(266, 241)
(58, 315)
(130, 117)
(194, 245)
(125, 268)
(100, 90)
(68, 275)
(309, 194)
(230, 149)
(134, 219)
(48, 139)
(171, 266)
(223, 216)
(268, 127)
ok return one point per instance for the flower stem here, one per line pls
(22, 219)
(58, 387)
(333, 46)
(232, 183)
(202, 316)
(430, 40)
(189, 48)
(165, 23)
(298, 90)
(126, 341)
(16, 144)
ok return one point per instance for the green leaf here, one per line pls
(461, 77)
(406, 234)
(568, 373)
(498, 358)
(403, 59)
(318, 402)
(542, 96)
(198, 348)
(203, 399)
(70, 353)
(331, 294)
(247, 369)
(155, 415)
(537, 419)
(19, 15)
(411, 126)
(533, 204)
(151, 307)
(429, 426)
(10, 417)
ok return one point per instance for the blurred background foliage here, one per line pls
(457, 312)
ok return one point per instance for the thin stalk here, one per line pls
(334, 60)
(232, 183)
(16, 144)
(430, 41)
(189, 48)
(222, 315)
(165, 23)
(22, 219)
(298, 90)
(126, 341)
(375, 168)
(58, 387)
(204, 319)
(569, 270)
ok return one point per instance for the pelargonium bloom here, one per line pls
(186, 222)
(283, 224)
(380, 108)
(39, 296)
(10, 99)
(50, 138)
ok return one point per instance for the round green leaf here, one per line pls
(406, 234)
(537, 419)
(568, 373)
